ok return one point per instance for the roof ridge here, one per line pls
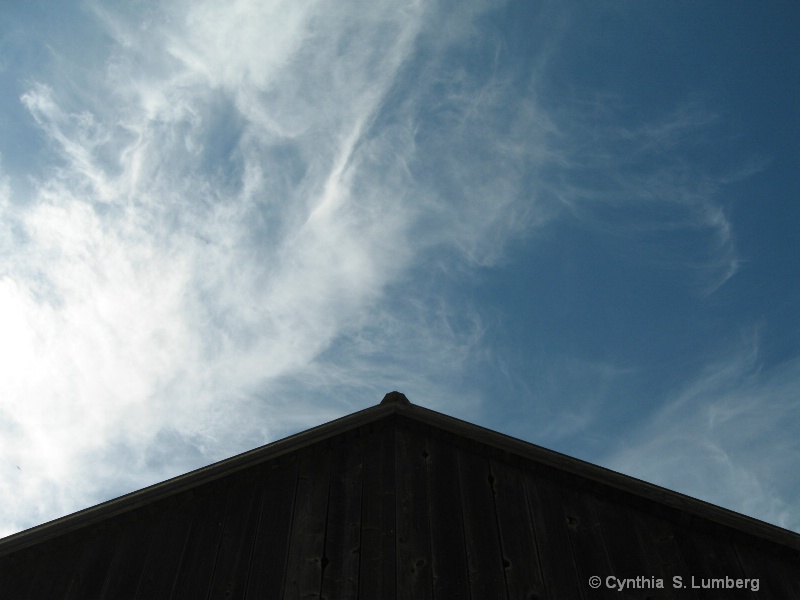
(396, 403)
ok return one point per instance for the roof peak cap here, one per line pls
(395, 398)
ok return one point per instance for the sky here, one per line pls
(224, 223)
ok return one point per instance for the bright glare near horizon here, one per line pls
(225, 222)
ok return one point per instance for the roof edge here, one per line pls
(396, 403)
(605, 476)
(186, 481)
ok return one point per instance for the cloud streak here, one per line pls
(232, 195)
(726, 437)
(643, 181)
(252, 206)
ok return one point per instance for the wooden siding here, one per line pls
(396, 508)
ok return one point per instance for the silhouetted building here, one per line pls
(398, 501)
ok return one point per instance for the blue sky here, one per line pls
(223, 223)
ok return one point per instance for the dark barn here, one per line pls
(398, 501)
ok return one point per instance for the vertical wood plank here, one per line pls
(241, 520)
(517, 537)
(16, 576)
(414, 579)
(54, 578)
(342, 541)
(448, 546)
(130, 557)
(710, 556)
(658, 539)
(96, 551)
(170, 533)
(778, 576)
(197, 567)
(307, 543)
(486, 576)
(629, 558)
(559, 567)
(270, 550)
(588, 544)
(377, 567)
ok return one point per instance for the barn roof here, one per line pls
(396, 501)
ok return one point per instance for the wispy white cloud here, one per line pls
(233, 196)
(645, 182)
(257, 204)
(727, 437)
